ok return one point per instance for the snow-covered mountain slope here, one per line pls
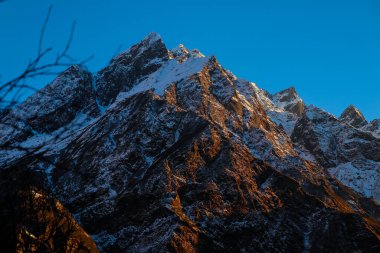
(176, 154)
(337, 144)
(350, 154)
(284, 108)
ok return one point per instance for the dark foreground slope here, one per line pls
(31, 220)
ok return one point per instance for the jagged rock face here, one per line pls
(347, 142)
(353, 116)
(70, 95)
(346, 147)
(185, 184)
(59, 103)
(284, 108)
(290, 101)
(181, 53)
(189, 158)
(129, 67)
(350, 154)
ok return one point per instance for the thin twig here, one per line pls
(43, 29)
(35, 69)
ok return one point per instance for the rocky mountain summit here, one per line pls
(167, 151)
(290, 101)
(353, 116)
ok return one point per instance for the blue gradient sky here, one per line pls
(328, 49)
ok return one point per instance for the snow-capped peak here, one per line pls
(289, 100)
(351, 115)
(181, 53)
(151, 41)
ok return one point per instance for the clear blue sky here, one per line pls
(328, 49)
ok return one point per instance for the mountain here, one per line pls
(347, 147)
(353, 116)
(166, 151)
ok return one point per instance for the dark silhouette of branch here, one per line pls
(43, 29)
(10, 91)
(116, 52)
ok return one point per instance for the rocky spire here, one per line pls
(351, 115)
(289, 100)
(181, 53)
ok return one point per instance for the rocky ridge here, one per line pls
(169, 152)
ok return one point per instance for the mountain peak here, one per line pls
(152, 40)
(181, 53)
(152, 37)
(288, 93)
(126, 69)
(351, 115)
(289, 100)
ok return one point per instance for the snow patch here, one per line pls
(169, 73)
(363, 178)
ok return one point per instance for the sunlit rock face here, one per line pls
(176, 154)
(353, 116)
(290, 101)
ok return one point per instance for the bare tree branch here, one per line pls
(36, 68)
(43, 29)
